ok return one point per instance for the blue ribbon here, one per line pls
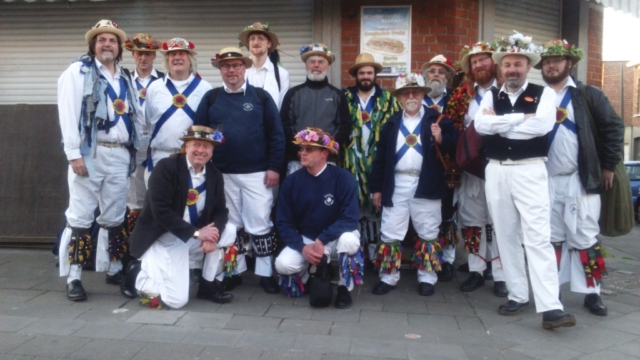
(567, 123)
(123, 96)
(193, 209)
(170, 111)
(403, 150)
(478, 98)
(430, 102)
(140, 87)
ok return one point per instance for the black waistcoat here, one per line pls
(501, 148)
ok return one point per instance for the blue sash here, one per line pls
(408, 142)
(562, 118)
(171, 110)
(193, 209)
(478, 98)
(117, 100)
(142, 91)
(437, 107)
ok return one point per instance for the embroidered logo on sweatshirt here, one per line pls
(328, 199)
(247, 106)
(328, 99)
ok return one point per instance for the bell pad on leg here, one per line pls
(118, 245)
(472, 235)
(388, 257)
(427, 255)
(292, 285)
(264, 245)
(593, 264)
(352, 268)
(80, 246)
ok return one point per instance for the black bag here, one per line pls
(321, 289)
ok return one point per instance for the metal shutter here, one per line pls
(41, 39)
(540, 19)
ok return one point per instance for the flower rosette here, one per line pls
(142, 93)
(179, 100)
(119, 106)
(192, 197)
(561, 115)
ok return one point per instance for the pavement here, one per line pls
(38, 322)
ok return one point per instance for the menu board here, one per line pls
(385, 33)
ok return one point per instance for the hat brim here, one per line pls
(309, 54)
(93, 32)
(426, 66)
(533, 58)
(189, 138)
(191, 52)
(353, 70)
(247, 61)
(573, 58)
(402, 89)
(332, 150)
(244, 38)
(464, 62)
(141, 49)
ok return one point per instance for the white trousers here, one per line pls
(574, 221)
(165, 266)
(137, 186)
(425, 215)
(518, 198)
(473, 212)
(106, 187)
(290, 261)
(249, 202)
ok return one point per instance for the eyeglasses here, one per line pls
(412, 92)
(437, 71)
(552, 61)
(478, 61)
(236, 66)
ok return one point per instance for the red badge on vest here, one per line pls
(528, 99)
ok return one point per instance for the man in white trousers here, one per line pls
(185, 205)
(96, 106)
(516, 120)
(578, 171)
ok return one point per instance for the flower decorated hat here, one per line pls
(316, 49)
(516, 44)
(409, 81)
(261, 28)
(176, 44)
(440, 60)
(205, 133)
(316, 137)
(559, 47)
(364, 59)
(230, 53)
(105, 26)
(142, 42)
(481, 47)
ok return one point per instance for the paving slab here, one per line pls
(48, 345)
(15, 323)
(547, 348)
(376, 347)
(628, 323)
(481, 353)
(313, 327)
(289, 354)
(160, 334)
(107, 330)
(428, 351)
(229, 353)
(99, 349)
(10, 341)
(166, 351)
(213, 337)
(204, 320)
(157, 317)
(289, 312)
(631, 348)
(262, 340)
(608, 354)
(322, 343)
(253, 323)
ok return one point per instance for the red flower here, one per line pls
(179, 99)
(191, 46)
(191, 196)
(165, 46)
(365, 116)
(559, 115)
(120, 106)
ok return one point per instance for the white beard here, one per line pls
(316, 77)
(412, 105)
(437, 88)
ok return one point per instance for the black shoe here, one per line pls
(557, 318)
(488, 273)
(474, 281)
(593, 302)
(464, 267)
(426, 289)
(75, 291)
(128, 286)
(512, 308)
(382, 288)
(343, 299)
(269, 284)
(231, 282)
(195, 275)
(446, 274)
(209, 290)
(115, 279)
(500, 289)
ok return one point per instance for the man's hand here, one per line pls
(209, 233)
(376, 200)
(607, 179)
(488, 111)
(208, 246)
(313, 252)
(436, 131)
(77, 165)
(271, 178)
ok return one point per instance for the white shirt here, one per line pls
(365, 130)
(144, 81)
(563, 154)
(196, 180)
(242, 88)
(159, 100)
(513, 125)
(265, 77)
(70, 93)
(435, 100)
(473, 104)
(412, 159)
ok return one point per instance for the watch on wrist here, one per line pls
(196, 234)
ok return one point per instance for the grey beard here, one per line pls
(314, 77)
(437, 88)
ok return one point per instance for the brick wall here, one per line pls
(611, 86)
(594, 55)
(456, 24)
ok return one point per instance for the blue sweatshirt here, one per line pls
(254, 139)
(318, 207)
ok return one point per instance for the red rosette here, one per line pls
(165, 46)
(191, 46)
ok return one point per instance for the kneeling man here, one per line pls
(317, 212)
(184, 215)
